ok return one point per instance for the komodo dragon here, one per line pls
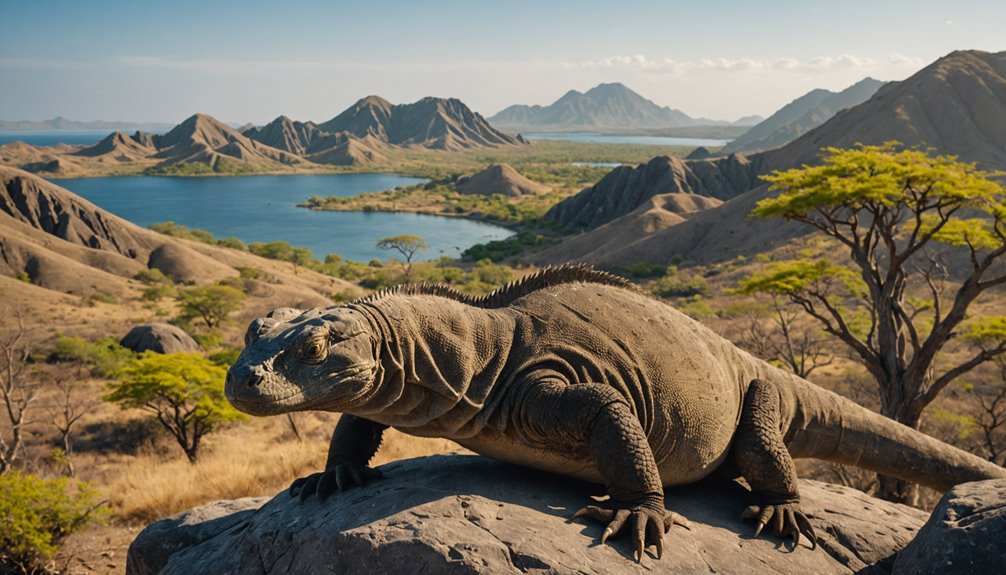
(571, 371)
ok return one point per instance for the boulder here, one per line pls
(966, 533)
(159, 337)
(470, 514)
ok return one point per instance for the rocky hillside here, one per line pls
(625, 188)
(957, 105)
(605, 107)
(437, 123)
(64, 243)
(801, 116)
(361, 135)
(500, 179)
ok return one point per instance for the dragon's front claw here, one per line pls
(338, 477)
(786, 519)
(648, 524)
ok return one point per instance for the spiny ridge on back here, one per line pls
(546, 277)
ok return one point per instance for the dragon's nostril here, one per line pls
(253, 380)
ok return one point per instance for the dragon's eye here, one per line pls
(313, 350)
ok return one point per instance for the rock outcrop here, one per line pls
(499, 179)
(625, 188)
(160, 338)
(469, 514)
(966, 534)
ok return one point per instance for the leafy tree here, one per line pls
(36, 515)
(184, 390)
(889, 209)
(210, 303)
(406, 245)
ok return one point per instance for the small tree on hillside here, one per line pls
(406, 245)
(185, 391)
(210, 303)
(790, 345)
(886, 207)
(18, 391)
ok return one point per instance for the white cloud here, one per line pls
(898, 59)
(640, 62)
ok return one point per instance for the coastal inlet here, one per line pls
(264, 209)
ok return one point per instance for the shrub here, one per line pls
(212, 304)
(104, 356)
(36, 515)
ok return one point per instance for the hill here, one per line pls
(625, 189)
(802, 115)
(957, 105)
(605, 107)
(499, 179)
(362, 134)
(436, 123)
(62, 243)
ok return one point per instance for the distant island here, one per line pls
(616, 109)
(61, 123)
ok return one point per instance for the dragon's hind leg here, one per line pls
(763, 460)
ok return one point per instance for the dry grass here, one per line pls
(259, 458)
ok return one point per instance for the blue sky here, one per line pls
(251, 61)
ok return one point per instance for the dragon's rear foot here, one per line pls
(764, 461)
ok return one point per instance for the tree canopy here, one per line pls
(184, 391)
(907, 220)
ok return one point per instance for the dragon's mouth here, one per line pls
(313, 393)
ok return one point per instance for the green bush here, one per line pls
(104, 356)
(36, 515)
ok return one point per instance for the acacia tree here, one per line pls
(888, 208)
(406, 245)
(185, 391)
(210, 303)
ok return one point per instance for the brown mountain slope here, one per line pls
(625, 188)
(436, 123)
(203, 139)
(119, 146)
(655, 215)
(500, 179)
(956, 105)
(67, 244)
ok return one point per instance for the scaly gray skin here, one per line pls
(571, 371)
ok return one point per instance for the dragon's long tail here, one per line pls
(818, 423)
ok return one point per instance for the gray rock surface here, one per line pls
(161, 338)
(966, 534)
(468, 514)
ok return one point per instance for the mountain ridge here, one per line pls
(605, 106)
(800, 116)
(938, 107)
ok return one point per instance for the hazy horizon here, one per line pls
(253, 61)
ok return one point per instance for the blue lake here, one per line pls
(264, 209)
(611, 139)
(53, 137)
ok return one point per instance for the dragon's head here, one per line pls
(293, 360)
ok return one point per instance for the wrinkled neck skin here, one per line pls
(439, 362)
